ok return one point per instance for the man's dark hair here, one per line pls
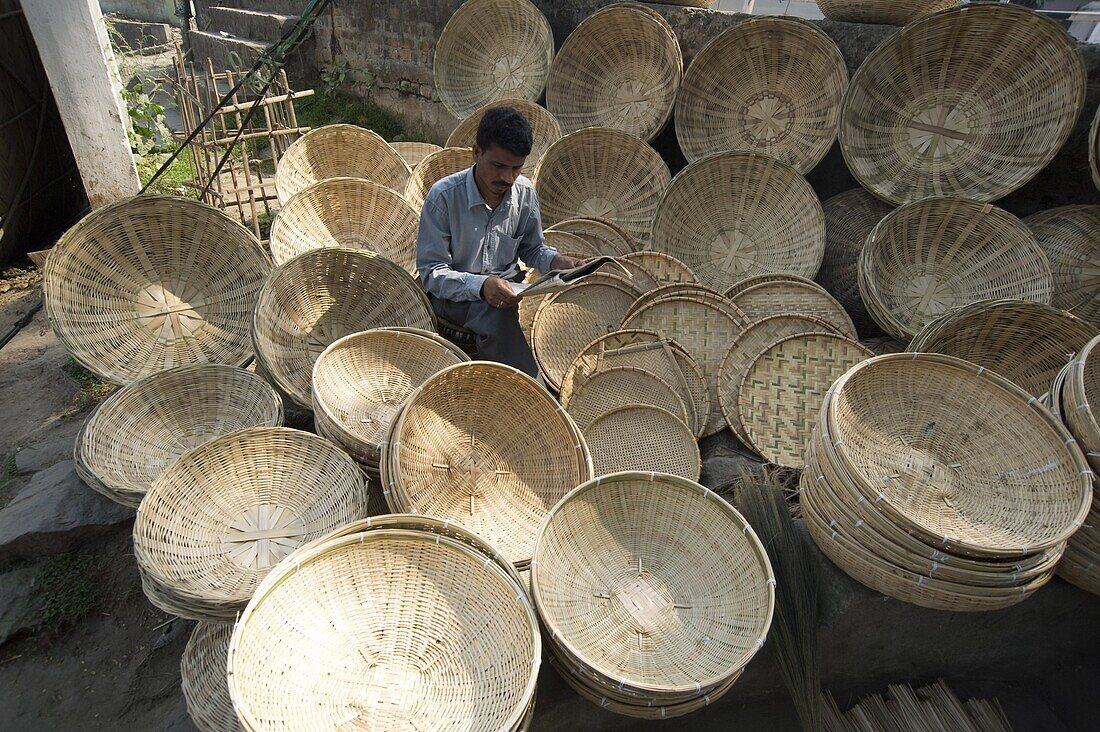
(505, 127)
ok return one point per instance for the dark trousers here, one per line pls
(499, 337)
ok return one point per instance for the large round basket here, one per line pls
(955, 104)
(219, 518)
(321, 296)
(605, 174)
(733, 215)
(490, 50)
(797, 298)
(392, 610)
(948, 451)
(1028, 343)
(151, 283)
(612, 573)
(414, 152)
(205, 687)
(887, 12)
(545, 130)
(942, 253)
(339, 151)
(1081, 401)
(361, 381)
(849, 217)
(620, 68)
(676, 289)
(569, 320)
(652, 270)
(435, 168)
(770, 85)
(603, 235)
(624, 386)
(143, 428)
(564, 242)
(461, 450)
(347, 212)
(1070, 236)
(642, 437)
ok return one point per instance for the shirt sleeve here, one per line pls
(433, 256)
(532, 247)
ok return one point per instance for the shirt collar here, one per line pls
(474, 195)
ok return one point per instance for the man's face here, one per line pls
(497, 169)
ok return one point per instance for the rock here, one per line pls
(18, 609)
(56, 512)
(52, 448)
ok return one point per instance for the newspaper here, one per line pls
(560, 279)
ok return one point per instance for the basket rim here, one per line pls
(753, 540)
(679, 424)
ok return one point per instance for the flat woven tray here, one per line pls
(414, 152)
(770, 85)
(781, 392)
(600, 233)
(732, 215)
(928, 257)
(704, 326)
(1070, 236)
(347, 212)
(675, 289)
(568, 321)
(743, 284)
(141, 429)
(435, 168)
(924, 117)
(219, 518)
(620, 68)
(642, 437)
(797, 298)
(1026, 342)
(321, 296)
(150, 283)
(565, 242)
(545, 129)
(655, 269)
(621, 386)
(202, 672)
(339, 151)
(887, 12)
(602, 173)
(1081, 399)
(747, 348)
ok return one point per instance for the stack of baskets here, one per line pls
(637, 620)
(938, 482)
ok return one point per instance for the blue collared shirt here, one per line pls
(462, 242)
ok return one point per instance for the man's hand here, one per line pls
(564, 261)
(498, 293)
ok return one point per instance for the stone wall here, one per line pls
(151, 11)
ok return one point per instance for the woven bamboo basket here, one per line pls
(655, 269)
(1026, 342)
(435, 168)
(1070, 236)
(460, 450)
(623, 386)
(888, 12)
(339, 151)
(1094, 148)
(473, 67)
(361, 380)
(143, 428)
(414, 152)
(981, 469)
(704, 326)
(795, 298)
(347, 212)
(202, 669)
(781, 392)
(321, 296)
(151, 283)
(377, 601)
(645, 438)
(746, 349)
(604, 586)
(741, 285)
(620, 68)
(219, 518)
(676, 289)
(545, 130)
(564, 242)
(953, 105)
(569, 320)
(849, 218)
(770, 85)
(732, 215)
(928, 257)
(1080, 398)
(605, 174)
(600, 233)
(647, 351)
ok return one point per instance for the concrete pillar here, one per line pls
(72, 42)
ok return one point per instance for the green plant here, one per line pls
(340, 107)
(334, 75)
(67, 591)
(172, 181)
(149, 131)
(93, 390)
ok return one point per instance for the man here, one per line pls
(475, 226)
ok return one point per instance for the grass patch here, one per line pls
(15, 271)
(170, 183)
(93, 389)
(338, 107)
(8, 471)
(67, 590)
(265, 218)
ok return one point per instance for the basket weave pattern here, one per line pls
(339, 151)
